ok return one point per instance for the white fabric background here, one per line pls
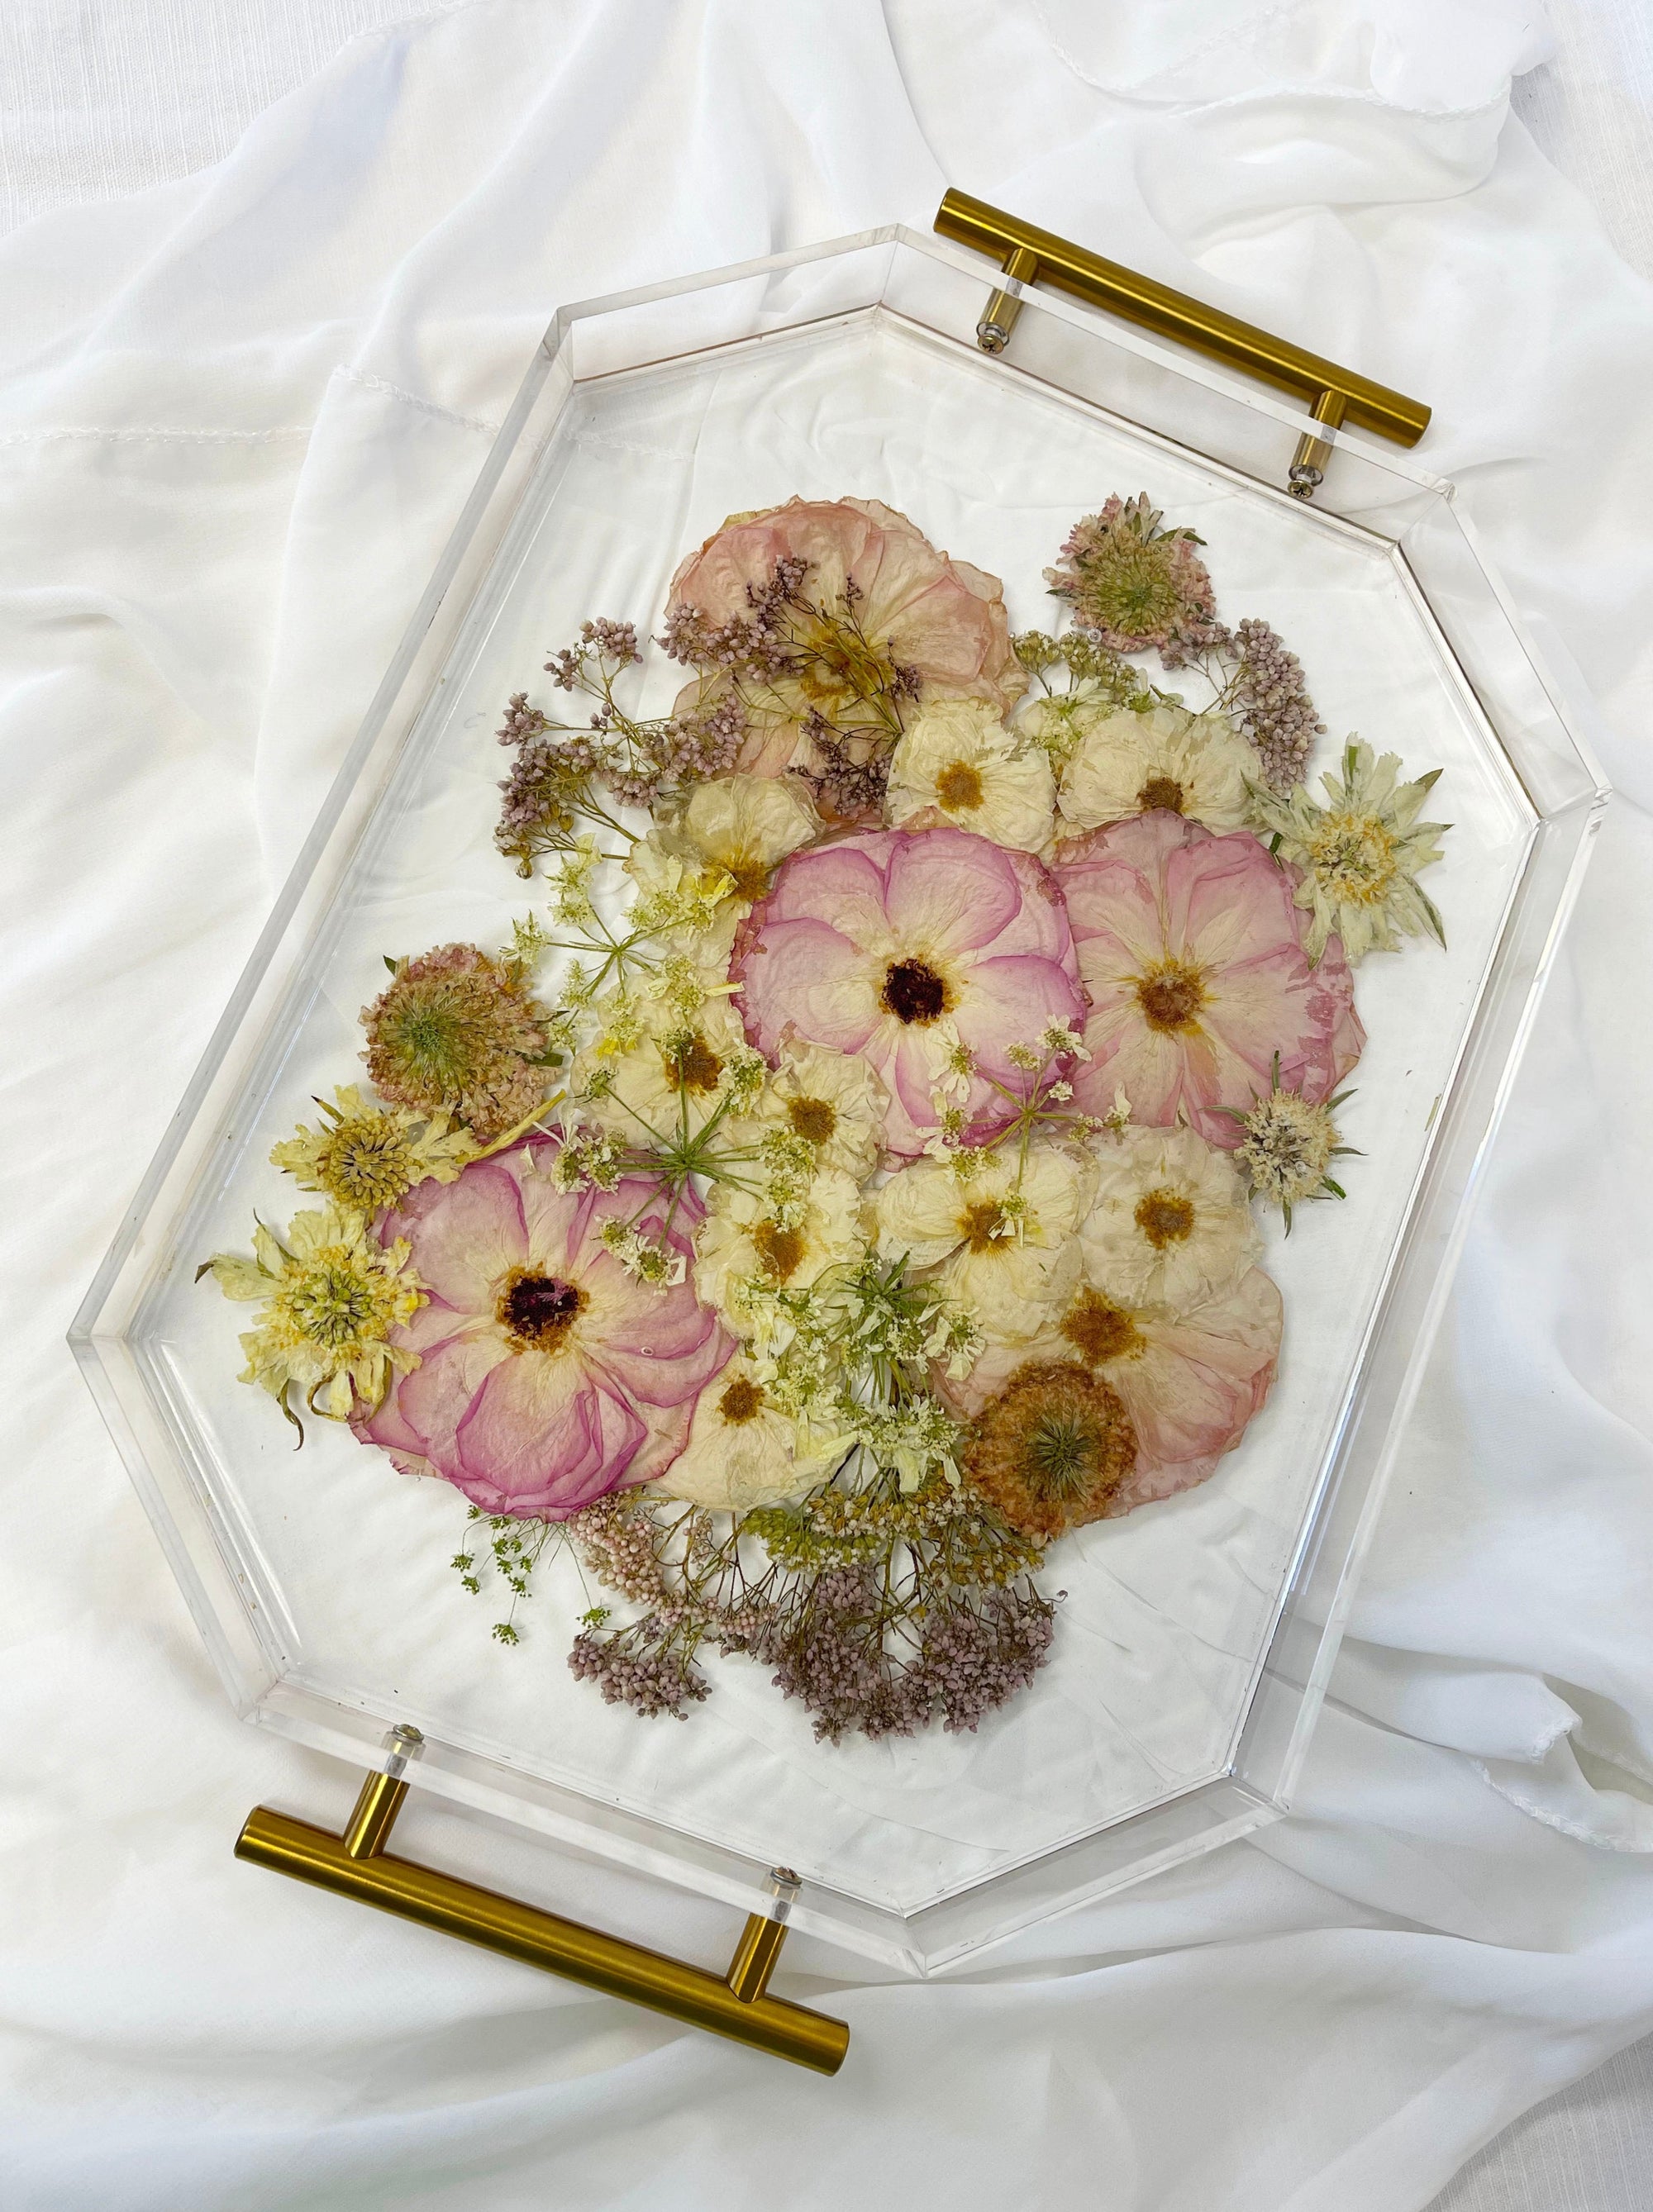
(235, 416)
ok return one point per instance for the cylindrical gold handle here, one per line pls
(1043, 257)
(356, 1865)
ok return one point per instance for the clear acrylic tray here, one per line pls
(1195, 1640)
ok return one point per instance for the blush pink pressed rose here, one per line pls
(1191, 949)
(1191, 1380)
(927, 952)
(548, 1375)
(941, 619)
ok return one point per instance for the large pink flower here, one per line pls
(1191, 949)
(1190, 1380)
(904, 946)
(548, 1375)
(940, 617)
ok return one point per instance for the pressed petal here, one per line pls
(466, 1233)
(949, 891)
(807, 974)
(543, 1436)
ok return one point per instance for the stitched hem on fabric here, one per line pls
(412, 399)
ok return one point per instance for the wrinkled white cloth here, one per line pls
(236, 417)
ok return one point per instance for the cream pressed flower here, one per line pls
(331, 1296)
(658, 1075)
(1170, 1223)
(1359, 855)
(1195, 765)
(742, 1452)
(1288, 1147)
(957, 762)
(749, 1240)
(746, 825)
(831, 1102)
(368, 1157)
(999, 1232)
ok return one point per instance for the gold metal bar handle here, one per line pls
(737, 2004)
(1029, 255)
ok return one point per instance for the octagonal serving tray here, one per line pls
(1196, 1637)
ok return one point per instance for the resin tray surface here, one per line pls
(1194, 1635)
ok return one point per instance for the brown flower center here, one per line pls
(1164, 1217)
(741, 1402)
(1099, 1330)
(813, 1119)
(780, 1249)
(691, 1061)
(751, 878)
(912, 991)
(1161, 790)
(982, 1225)
(537, 1311)
(1170, 996)
(959, 787)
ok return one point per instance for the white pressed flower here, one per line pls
(1359, 855)
(746, 825)
(742, 1451)
(1000, 1237)
(1170, 1223)
(832, 1102)
(746, 1240)
(655, 1075)
(957, 762)
(1195, 765)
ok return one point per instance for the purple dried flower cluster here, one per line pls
(1271, 704)
(633, 1669)
(600, 639)
(845, 784)
(876, 1610)
(684, 748)
(759, 643)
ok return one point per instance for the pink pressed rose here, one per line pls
(941, 619)
(914, 950)
(548, 1375)
(1191, 1381)
(1191, 949)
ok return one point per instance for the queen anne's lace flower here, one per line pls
(1359, 855)
(1170, 1223)
(1001, 1235)
(1195, 765)
(334, 1297)
(958, 763)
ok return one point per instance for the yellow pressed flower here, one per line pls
(368, 1157)
(331, 1295)
(1359, 855)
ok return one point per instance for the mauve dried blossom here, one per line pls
(457, 1032)
(1271, 704)
(649, 1678)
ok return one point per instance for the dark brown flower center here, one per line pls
(1099, 1330)
(741, 1402)
(780, 1249)
(1164, 1217)
(912, 991)
(813, 1119)
(959, 787)
(537, 1311)
(1170, 996)
(1161, 790)
(982, 1225)
(691, 1061)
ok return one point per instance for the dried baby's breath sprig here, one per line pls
(514, 1548)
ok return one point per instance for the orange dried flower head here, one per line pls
(1052, 1449)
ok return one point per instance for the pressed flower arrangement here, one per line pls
(846, 1186)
